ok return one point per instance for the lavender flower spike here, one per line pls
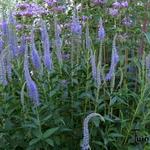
(114, 60)
(76, 27)
(12, 40)
(34, 53)
(4, 28)
(31, 86)
(46, 46)
(22, 46)
(101, 31)
(85, 145)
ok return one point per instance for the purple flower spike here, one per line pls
(101, 31)
(76, 27)
(46, 45)
(114, 61)
(86, 136)
(1, 45)
(19, 27)
(51, 2)
(59, 9)
(124, 4)
(12, 41)
(34, 53)
(113, 12)
(33, 92)
(127, 21)
(12, 20)
(23, 43)
(4, 28)
(31, 86)
(116, 5)
(22, 6)
(98, 2)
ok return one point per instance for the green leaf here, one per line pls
(49, 132)
(50, 142)
(113, 101)
(34, 141)
(46, 119)
(115, 135)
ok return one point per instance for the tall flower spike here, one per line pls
(1, 45)
(9, 66)
(34, 53)
(46, 46)
(22, 46)
(4, 28)
(114, 60)
(12, 38)
(12, 19)
(101, 31)
(31, 86)
(85, 145)
(76, 27)
(58, 41)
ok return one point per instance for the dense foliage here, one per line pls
(63, 60)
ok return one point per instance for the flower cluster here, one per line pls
(127, 21)
(54, 6)
(51, 2)
(98, 2)
(75, 26)
(116, 6)
(101, 31)
(28, 10)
